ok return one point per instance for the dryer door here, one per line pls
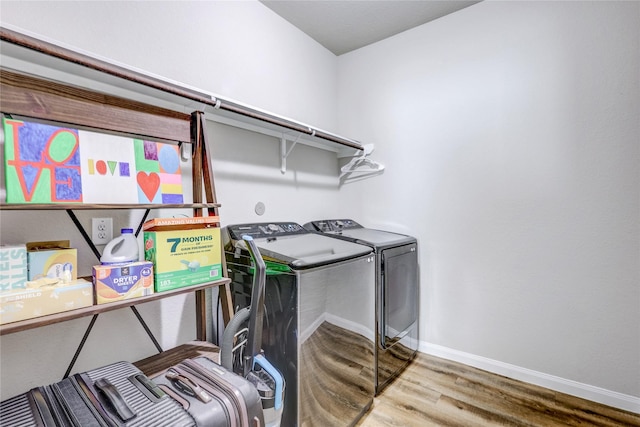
(399, 293)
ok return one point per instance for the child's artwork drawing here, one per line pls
(50, 164)
(158, 172)
(108, 168)
(42, 163)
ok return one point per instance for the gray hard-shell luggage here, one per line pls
(117, 395)
(19, 411)
(213, 395)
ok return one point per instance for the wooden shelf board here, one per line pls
(89, 206)
(160, 362)
(37, 322)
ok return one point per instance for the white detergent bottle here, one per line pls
(122, 249)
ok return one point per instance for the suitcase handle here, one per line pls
(187, 386)
(38, 398)
(110, 391)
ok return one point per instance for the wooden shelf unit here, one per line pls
(28, 95)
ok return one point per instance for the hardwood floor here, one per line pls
(438, 392)
(338, 385)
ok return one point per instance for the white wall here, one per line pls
(510, 132)
(240, 50)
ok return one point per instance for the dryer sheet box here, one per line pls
(116, 282)
(13, 267)
(184, 251)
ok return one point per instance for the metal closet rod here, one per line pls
(66, 54)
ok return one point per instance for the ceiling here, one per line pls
(345, 25)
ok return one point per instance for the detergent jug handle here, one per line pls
(254, 340)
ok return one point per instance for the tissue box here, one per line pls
(22, 304)
(13, 267)
(55, 260)
(184, 251)
(122, 281)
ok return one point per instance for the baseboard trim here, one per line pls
(574, 388)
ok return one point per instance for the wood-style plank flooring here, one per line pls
(338, 382)
(438, 392)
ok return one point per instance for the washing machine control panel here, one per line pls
(334, 225)
(265, 230)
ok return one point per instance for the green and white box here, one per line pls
(183, 257)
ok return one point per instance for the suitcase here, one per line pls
(117, 395)
(19, 411)
(213, 396)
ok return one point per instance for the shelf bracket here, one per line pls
(284, 153)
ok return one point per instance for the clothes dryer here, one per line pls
(397, 290)
(319, 324)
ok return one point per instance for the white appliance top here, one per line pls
(290, 243)
(348, 229)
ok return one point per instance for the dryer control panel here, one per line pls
(265, 230)
(333, 225)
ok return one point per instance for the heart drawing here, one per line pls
(149, 184)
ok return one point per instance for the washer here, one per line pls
(319, 326)
(397, 290)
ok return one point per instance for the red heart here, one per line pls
(149, 183)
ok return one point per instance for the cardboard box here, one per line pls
(181, 223)
(122, 281)
(55, 260)
(22, 304)
(13, 267)
(184, 251)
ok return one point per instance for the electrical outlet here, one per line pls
(101, 230)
